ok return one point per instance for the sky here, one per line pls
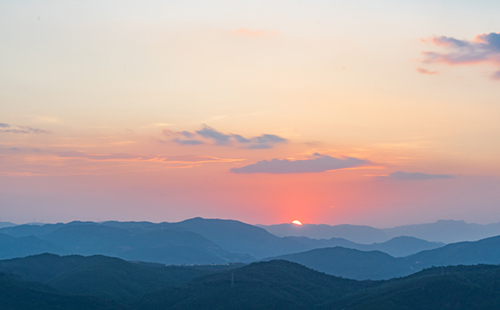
(365, 112)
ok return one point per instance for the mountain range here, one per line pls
(193, 241)
(446, 231)
(98, 282)
(376, 265)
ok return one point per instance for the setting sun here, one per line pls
(297, 222)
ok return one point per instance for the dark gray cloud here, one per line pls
(6, 128)
(186, 134)
(264, 141)
(188, 142)
(414, 176)
(208, 135)
(218, 137)
(319, 163)
(241, 139)
(484, 48)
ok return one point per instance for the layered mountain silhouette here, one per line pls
(446, 231)
(193, 241)
(98, 282)
(376, 265)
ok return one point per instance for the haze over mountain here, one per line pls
(446, 231)
(6, 224)
(397, 246)
(376, 265)
(193, 241)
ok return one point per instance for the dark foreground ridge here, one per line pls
(99, 282)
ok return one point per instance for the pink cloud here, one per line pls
(425, 71)
(484, 48)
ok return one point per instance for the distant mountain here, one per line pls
(485, 251)
(193, 241)
(355, 233)
(446, 231)
(161, 246)
(30, 230)
(352, 264)
(11, 247)
(397, 247)
(6, 224)
(376, 265)
(239, 237)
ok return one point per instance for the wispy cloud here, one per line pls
(319, 163)
(484, 48)
(255, 33)
(415, 176)
(6, 128)
(178, 159)
(208, 135)
(425, 71)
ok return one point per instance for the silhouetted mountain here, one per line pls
(280, 285)
(238, 237)
(458, 288)
(355, 233)
(30, 230)
(402, 246)
(485, 251)
(19, 295)
(162, 246)
(397, 247)
(11, 247)
(6, 224)
(445, 231)
(269, 285)
(376, 265)
(266, 285)
(100, 276)
(352, 264)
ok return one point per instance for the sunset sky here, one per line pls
(379, 113)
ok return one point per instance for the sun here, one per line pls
(297, 222)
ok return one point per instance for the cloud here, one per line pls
(218, 137)
(496, 76)
(255, 33)
(208, 135)
(178, 159)
(319, 163)
(414, 176)
(6, 128)
(188, 142)
(425, 71)
(484, 48)
(113, 157)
